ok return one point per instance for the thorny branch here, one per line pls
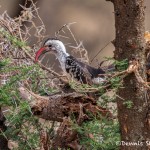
(57, 105)
(60, 108)
(133, 68)
(45, 68)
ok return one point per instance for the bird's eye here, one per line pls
(49, 46)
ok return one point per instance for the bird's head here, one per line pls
(52, 45)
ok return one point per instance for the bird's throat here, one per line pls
(61, 56)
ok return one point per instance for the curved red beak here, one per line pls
(39, 52)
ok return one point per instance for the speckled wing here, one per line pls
(78, 70)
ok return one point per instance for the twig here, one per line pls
(44, 67)
(100, 51)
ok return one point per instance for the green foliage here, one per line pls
(105, 100)
(3, 63)
(99, 134)
(128, 104)
(22, 126)
(115, 82)
(14, 40)
(9, 90)
(121, 65)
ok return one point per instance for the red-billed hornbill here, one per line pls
(76, 69)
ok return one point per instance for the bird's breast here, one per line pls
(75, 70)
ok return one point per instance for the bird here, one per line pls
(76, 69)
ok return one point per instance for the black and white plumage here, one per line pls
(69, 64)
